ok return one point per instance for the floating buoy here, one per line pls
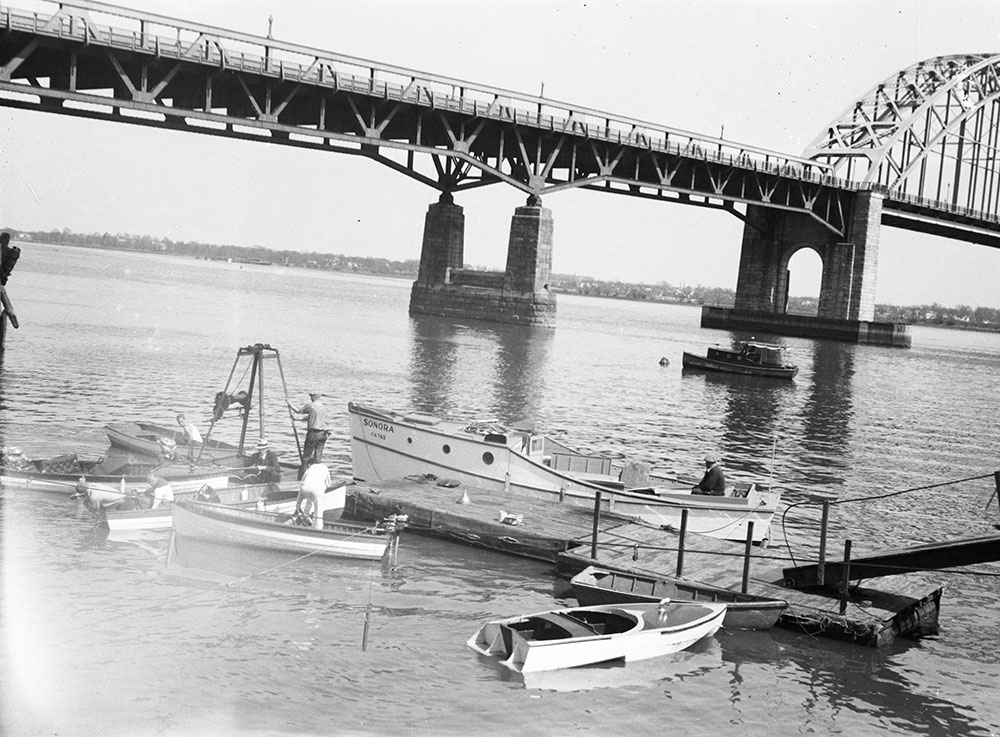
(664, 361)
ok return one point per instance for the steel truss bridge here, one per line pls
(926, 138)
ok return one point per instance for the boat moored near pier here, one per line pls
(488, 454)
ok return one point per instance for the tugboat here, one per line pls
(750, 357)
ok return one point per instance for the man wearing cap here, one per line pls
(266, 469)
(316, 432)
(713, 483)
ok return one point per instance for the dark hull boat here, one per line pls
(750, 359)
(743, 611)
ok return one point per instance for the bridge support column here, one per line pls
(444, 241)
(846, 308)
(520, 294)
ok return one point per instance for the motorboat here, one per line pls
(248, 528)
(751, 358)
(594, 586)
(489, 454)
(579, 636)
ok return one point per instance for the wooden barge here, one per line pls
(569, 537)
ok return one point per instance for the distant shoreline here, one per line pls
(957, 318)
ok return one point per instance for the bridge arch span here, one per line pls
(929, 130)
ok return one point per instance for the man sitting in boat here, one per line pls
(713, 483)
(266, 467)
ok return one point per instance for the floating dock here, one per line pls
(568, 536)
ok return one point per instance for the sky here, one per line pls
(767, 73)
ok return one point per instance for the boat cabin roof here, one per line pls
(768, 352)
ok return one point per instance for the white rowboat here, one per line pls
(568, 638)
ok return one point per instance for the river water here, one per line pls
(106, 636)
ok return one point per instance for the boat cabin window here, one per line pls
(488, 458)
(495, 437)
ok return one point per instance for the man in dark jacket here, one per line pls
(266, 469)
(713, 483)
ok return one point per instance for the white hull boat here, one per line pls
(253, 496)
(569, 638)
(389, 445)
(220, 524)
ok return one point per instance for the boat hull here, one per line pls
(692, 361)
(570, 638)
(594, 586)
(144, 438)
(227, 525)
(387, 445)
(181, 478)
(245, 497)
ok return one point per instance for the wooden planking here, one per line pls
(929, 556)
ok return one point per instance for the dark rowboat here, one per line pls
(151, 440)
(744, 611)
(750, 358)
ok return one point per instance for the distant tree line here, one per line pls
(962, 316)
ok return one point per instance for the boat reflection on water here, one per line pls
(702, 657)
(512, 366)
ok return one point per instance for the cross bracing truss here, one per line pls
(927, 134)
(102, 61)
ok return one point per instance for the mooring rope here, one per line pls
(831, 502)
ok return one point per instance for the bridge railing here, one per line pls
(100, 23)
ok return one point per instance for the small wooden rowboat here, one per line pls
(279, 500)
(567, 638)
(150, 439)
(593, 586)
(62, 473)
(250, 528)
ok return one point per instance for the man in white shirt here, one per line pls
(160, 489)
(191, 435)
(315, 482)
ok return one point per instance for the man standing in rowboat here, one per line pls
(316, 432)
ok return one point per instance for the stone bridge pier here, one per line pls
(846, 308)
(772, 237)
(520, 294)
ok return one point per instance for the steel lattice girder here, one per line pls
(69, 64)
(930, 131)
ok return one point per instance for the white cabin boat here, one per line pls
(487, 454)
